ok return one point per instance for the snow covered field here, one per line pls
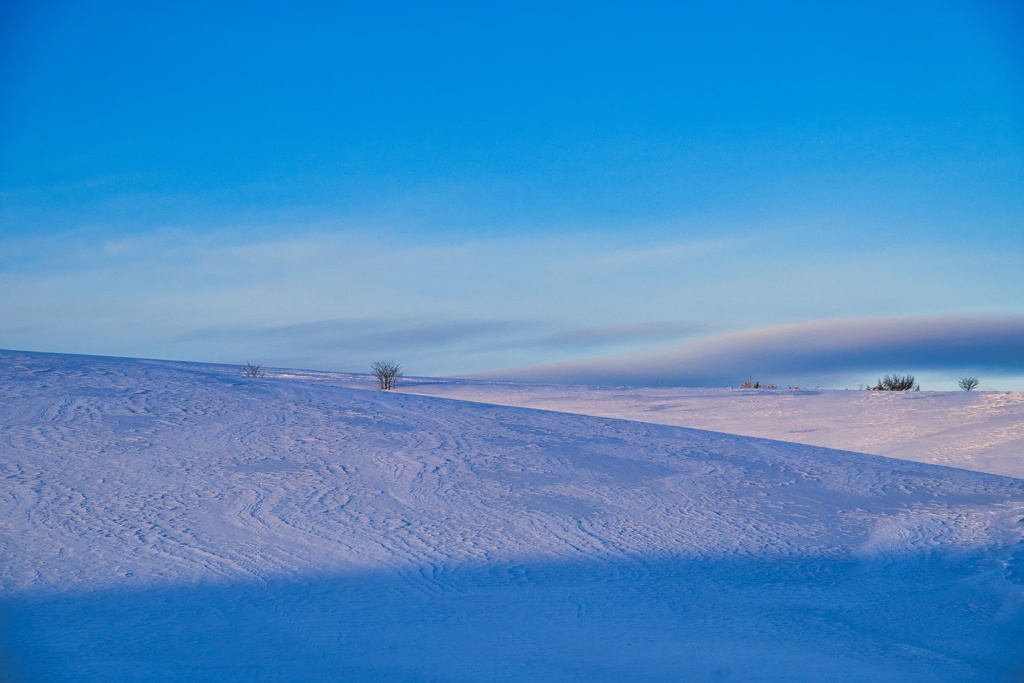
(174, 521)
(978, 430)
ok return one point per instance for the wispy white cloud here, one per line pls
(669, 253)
(331, 297)
(362, 334)
(585, 338)
(161, 293)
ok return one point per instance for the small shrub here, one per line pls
(387, 372)
(253, 370)
(968, 383)
(757, 385)
(896, 383)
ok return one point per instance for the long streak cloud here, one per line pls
(821, 350)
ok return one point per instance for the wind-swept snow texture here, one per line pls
(977, 430)
(170, 521)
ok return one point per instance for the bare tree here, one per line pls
(253, 370)
(387, 372)
(968, 383)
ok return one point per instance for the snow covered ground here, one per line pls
(976, 430)
(175, 521)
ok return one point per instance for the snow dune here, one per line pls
(173, 521)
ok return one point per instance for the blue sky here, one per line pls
(471, 187)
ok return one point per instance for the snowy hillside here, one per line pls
(978, 430)
(173, 521)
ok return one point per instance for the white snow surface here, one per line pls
(977, 430)
(175, 521)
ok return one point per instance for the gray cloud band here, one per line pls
(825, 348)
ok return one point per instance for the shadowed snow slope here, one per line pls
(977, 430)
(171, 521)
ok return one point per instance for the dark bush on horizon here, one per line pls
(253, 370)
(757, 385)
(896, 383)
(968, 383)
